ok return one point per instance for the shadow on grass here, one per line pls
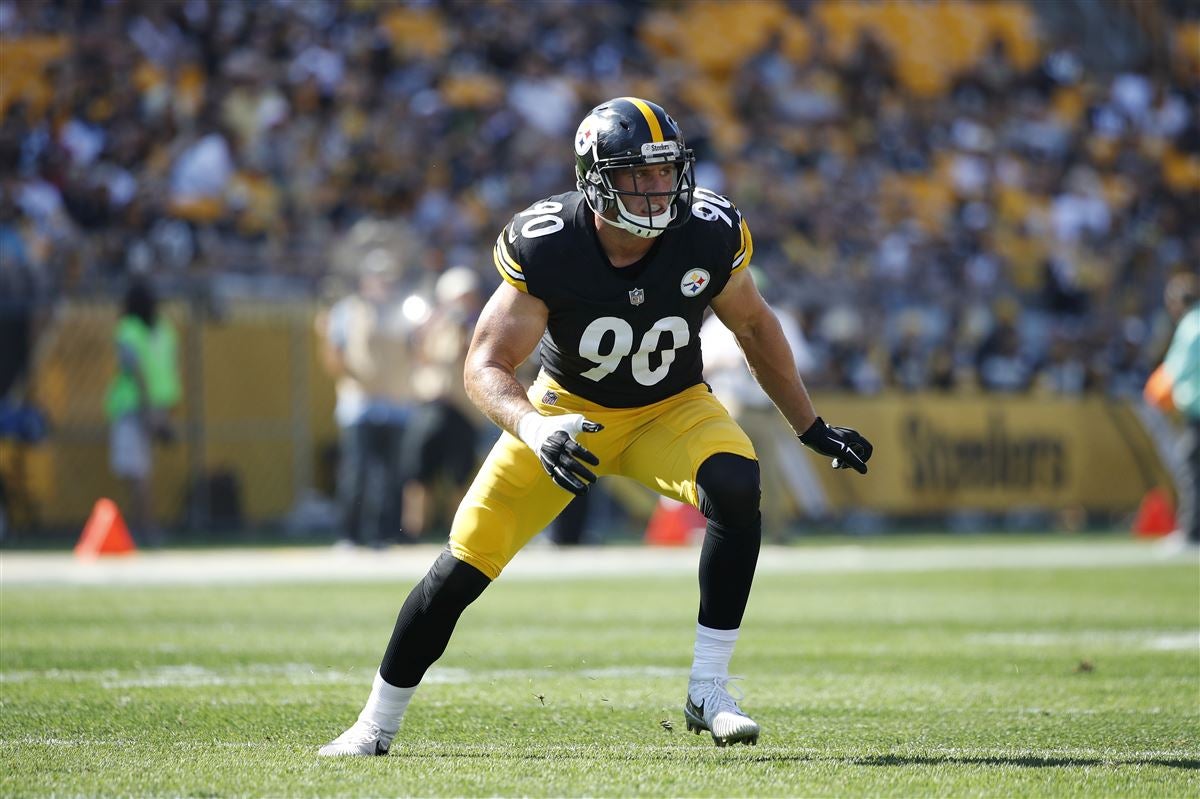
(1023, 761)
(1014, 761)
(1017, 761)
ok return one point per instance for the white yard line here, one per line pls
(1156, 640)
(404, 564)
(190, 675)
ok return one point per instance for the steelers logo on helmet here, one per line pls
(624, 134)
(694, 282)
(585, 137)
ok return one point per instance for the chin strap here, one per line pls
(629, 227)
(624, 222)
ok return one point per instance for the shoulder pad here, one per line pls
(727, 223)
(505, 259)
(529, 232)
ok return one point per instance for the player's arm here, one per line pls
(742, 309)
(508, 330)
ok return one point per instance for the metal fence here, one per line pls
(255, 425)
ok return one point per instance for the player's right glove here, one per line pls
(552, 439)
(847, 447)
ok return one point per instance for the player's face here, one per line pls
(649, 179)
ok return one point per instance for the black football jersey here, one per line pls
(624, 337)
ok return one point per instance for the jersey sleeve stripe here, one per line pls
(742, 258)
(656, 133)
(509, 269)
(509, 262)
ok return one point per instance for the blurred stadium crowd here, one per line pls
(947, 195)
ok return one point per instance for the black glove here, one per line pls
(561, 455)
(848, 449)
(552, 439)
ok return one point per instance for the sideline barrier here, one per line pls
(937, 453)
(257, 407)
(259, 410)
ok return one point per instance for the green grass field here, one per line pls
(1034, 681)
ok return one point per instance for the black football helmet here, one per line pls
(629, 132)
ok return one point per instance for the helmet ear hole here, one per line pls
(599, 202)
(595, 198)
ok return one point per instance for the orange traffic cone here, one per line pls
(674, 524)
(1155, 516)
(105, 533)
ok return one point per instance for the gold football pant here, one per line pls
(661, 446)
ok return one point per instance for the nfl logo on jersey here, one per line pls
(637, 296)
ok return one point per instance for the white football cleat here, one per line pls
(364, 739)
(711, 707)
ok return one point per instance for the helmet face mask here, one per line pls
(615, 143)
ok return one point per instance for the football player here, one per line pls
(613, 280)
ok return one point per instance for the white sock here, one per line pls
(712, 653)
(386, 705)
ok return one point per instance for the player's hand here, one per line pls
(847, 447)
(552, 439)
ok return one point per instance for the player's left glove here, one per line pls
(847, 447)
(552, 439)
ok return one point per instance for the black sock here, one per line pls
(727, 563)
(427, 619)
(729, 494)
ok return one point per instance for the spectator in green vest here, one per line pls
(1176, 385)
(140, 399)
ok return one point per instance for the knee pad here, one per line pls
(451, 582)
(728, 487)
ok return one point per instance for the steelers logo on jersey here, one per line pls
(694, 282)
